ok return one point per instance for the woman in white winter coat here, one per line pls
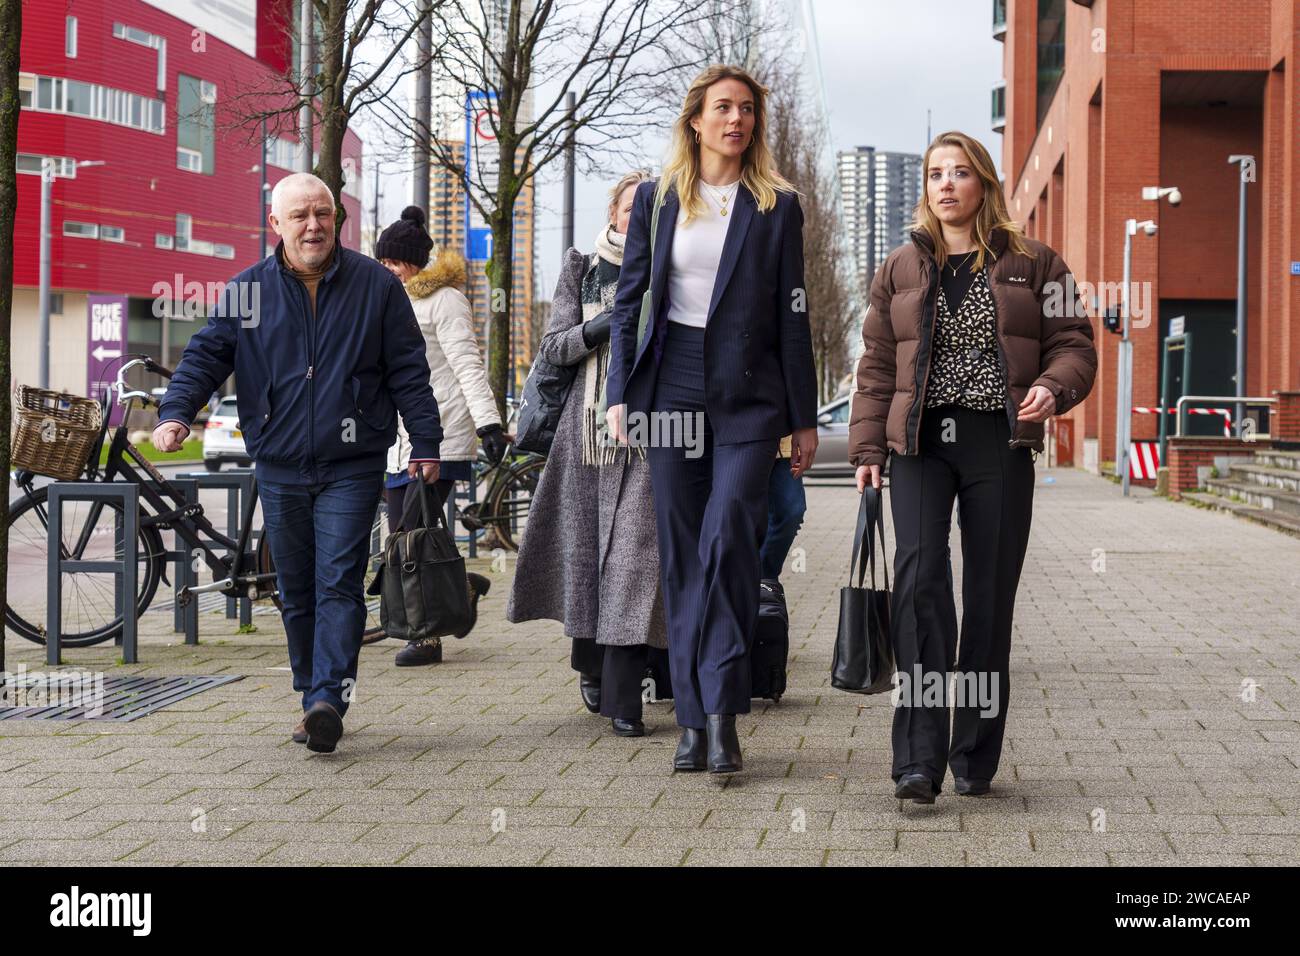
(466, 406)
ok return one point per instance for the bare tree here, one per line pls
(11, 29)
(616, 57)
(363, 55)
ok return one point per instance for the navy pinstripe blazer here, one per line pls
(760, 381)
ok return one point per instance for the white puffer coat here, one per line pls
(456, 371)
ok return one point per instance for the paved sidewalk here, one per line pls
(1127, 701)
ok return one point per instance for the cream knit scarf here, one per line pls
(596, 448)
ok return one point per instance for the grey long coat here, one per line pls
(591, 533)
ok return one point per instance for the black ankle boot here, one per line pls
(589, 688)
(478, 586)
(624, 727)
(724, 745)
(691, 749)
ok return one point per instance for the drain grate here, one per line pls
(71, 695)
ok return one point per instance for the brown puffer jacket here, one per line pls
(1044, 338)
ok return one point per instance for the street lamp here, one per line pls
(1247, 176)
(1124, 398)
(47, 201)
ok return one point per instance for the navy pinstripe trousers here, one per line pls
(711, 514)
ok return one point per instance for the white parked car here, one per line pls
(222, 439)
(832, 459)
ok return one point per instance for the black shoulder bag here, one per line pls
(424, 593)
(864, 650)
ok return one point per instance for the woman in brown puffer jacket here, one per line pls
(975, 337)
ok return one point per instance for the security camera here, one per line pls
(1151, 228)
(1175, 197)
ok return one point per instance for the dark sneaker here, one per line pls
(324, 726)
(419, 653)
(478, 586)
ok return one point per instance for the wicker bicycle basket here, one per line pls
(54, 432)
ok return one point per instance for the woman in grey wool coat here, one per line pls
(591, 526)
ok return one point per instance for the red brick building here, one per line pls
(1105, 97)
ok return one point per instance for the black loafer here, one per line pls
(691, 750)
(324, 727)
(916, 787)
(627, 728)
(589, 688)
(420, 653)
(724, 745)
(478, 586)
(970, 786)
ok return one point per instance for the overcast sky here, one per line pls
(884, 62)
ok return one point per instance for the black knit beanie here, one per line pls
(406, 240)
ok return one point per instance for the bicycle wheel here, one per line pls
(508, 511)
(374, 630)
(90, 609)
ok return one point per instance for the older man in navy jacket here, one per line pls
(325, 351)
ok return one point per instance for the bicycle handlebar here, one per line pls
(124, 391)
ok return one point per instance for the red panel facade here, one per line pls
(140, 189)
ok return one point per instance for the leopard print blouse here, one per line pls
(965, 369)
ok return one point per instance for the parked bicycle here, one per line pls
(92, 611)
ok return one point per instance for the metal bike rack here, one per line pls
(238, 484)
(184, 618)
(125, 566)
(468, 497)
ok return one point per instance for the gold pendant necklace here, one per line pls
(720, 198)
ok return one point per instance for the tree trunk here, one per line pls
(11, 28)
(500, 273)
(334, 117)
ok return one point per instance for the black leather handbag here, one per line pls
(864, 650)
(545, 391)
(424, 592)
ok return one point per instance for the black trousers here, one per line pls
(962, 455)
(620, 669)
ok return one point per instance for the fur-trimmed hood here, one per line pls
(448, 269)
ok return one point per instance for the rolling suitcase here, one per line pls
(771, 650)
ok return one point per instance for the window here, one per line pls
(223, 251)
(195, 124)
(55, 94)
(282, 152)
(56, 303)
(112, 234)
(183, 227)
(189, 159)
(82, 230)
(65, 167)
(70, 38)
(1051, 52)
(144, 38)
(26, 84)
(162, 240)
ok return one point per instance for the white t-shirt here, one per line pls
(696, 253)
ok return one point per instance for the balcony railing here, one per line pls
(999, 107)
(999, 19)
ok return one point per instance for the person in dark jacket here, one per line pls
(725, 358)
(324, 359)
(974, 337)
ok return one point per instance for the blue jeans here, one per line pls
(786, 505)
(320, 540)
